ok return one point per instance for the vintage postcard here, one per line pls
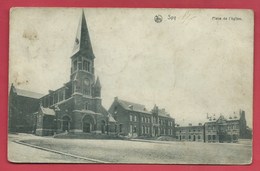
(111, 85)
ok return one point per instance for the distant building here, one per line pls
(216, 130)
(226, 129)
(190, 133)
(135, 120)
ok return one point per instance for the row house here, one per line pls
(219, 129)
(135, 120)
(190, 133)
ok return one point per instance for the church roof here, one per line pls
(82, 40)
(27, 93)
(47, 111)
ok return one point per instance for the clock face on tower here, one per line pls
(86, 82)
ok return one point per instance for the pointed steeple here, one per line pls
(82, 41)
(97, 88)
(97, 84)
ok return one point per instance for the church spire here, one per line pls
(97, 84)
(82, 42)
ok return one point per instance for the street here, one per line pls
(125, 151)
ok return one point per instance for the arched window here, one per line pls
(86, 86)
(86, 106)
(65, 123)
(120, 127)
(86, 65)
(134, 131)
(75, 63)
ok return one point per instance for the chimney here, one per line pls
(200, 124)
(190, 124)
(242, 113)
(116, 98)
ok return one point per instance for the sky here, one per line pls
(190, 63)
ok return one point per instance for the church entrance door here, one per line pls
(103, 127)
(88, 123)
(86, 127)
(65, 123)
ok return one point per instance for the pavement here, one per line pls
(19, 152)
(124, 151)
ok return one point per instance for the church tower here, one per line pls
(82, 62)
(87, 114)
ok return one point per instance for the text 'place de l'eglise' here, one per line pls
(76, 108)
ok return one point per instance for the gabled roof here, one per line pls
(133, 106)
(222, 118)
(233, 119)
(47, 111)
(27, 93)
(110, 117)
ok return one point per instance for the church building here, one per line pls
(77, 105)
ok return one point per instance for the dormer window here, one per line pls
(131, 107)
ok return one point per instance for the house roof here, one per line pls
(47, 111)
(221, 117)
(162, 112)
(110, 117)
(27, 93)
(133, 106)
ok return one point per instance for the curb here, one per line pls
(172, 142)
(62, 153)
(149, 141)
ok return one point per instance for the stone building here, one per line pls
(219, 129)
(226, 129)
(22, 104)
(135, 120)
(77, 105)
(190, 133)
